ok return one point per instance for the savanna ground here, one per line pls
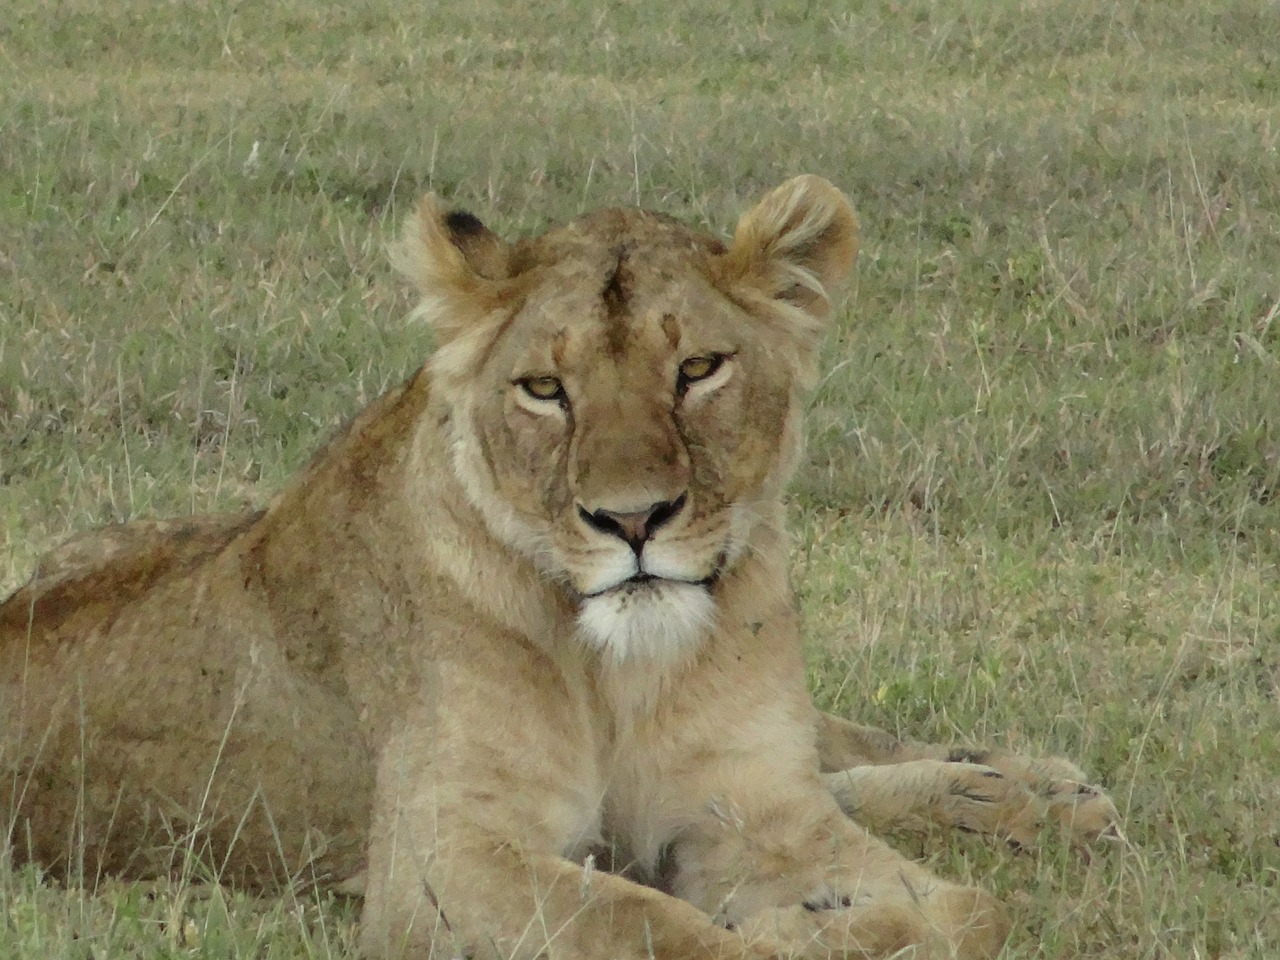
(1038, 507)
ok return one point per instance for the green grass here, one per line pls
(1039, 503)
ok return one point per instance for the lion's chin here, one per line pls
(656, 620)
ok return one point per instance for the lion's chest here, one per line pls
(613, 800)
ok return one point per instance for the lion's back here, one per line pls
(95, 575)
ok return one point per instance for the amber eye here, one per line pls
(698, 368)
(542, 388)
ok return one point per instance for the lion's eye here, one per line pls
(542, 388)
(698, 368)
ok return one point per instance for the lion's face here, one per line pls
(625, 394)
(629, 420)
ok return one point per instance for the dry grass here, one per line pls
(1039, 508)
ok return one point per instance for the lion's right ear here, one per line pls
(797, 244)
(457, 263)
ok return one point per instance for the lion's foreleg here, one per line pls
(474, 866)
(484, 896)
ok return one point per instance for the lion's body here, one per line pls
(530, 607)
(201, 686)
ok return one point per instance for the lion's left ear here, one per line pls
(795, 245)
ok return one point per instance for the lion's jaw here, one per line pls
(655, 620)
(660, 604)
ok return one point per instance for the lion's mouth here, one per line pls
(648, 581)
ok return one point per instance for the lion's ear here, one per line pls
(796, 244)
(456, 262)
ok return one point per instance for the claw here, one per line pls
(966, 755)
(830, 902)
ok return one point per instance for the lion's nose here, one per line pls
(636, 527)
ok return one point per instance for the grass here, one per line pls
(1039, 503)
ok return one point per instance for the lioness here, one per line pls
(528, 614)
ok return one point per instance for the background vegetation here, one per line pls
(1039, 505)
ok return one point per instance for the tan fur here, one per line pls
(887, 784)
(431, 662)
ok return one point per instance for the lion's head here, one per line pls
(625, 392)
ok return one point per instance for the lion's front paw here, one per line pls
(1017, 804)
(998, 794)
(1055, 795)
(933, 920)
(982, 799)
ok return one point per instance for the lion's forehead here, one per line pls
(598, 235)
(627, 309)
(620, 255)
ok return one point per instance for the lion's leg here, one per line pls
(478, 866)
(843, 744)
(886, 784)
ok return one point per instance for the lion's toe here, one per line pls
(980, 799)
(1083, 811)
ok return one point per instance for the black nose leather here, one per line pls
(635, 527)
